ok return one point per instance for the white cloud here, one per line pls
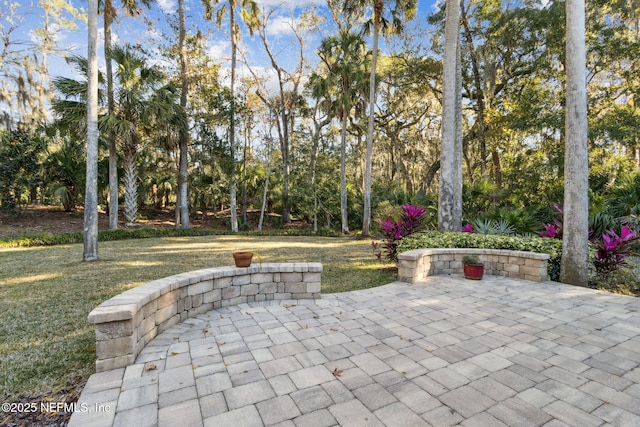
(291, 4)
(219, 50)
(280, 25)
(168, 6)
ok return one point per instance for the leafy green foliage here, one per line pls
(19, 166)
(434, 239)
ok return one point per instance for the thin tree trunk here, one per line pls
(113, 152)
(184, 131)
(480, 101)
(90, 226)
(575, 249)
(244, 175)
(366, 216)
(232, 119)
(266, 188)
(344, 213)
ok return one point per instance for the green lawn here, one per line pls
(46, 293)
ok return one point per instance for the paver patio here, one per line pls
(444, 352)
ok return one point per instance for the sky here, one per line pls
(136, 30)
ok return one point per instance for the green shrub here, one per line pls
(48, 239)
(436, 239)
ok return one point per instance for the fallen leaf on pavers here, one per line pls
(289, 305)
(205, 331)
(173, 353)
(151, 367)
(337, 372)
(334, 329)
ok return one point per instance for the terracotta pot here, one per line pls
(473, 271)
(242, 259)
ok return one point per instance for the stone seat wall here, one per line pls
(415, 265)
(128, 321)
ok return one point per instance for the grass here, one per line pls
(46, 293)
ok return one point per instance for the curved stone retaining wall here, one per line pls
(128, 321)
(415, 265)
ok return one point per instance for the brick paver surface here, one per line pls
(444, 352)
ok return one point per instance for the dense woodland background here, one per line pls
(269, 139)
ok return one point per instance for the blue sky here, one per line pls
(135, 30)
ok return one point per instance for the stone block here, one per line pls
(267, 288)
(168, 299)
(311, 277)
(196, 300)
(281, 296)
(231, 292)
(147, 337)
(149, 308)
(249, 289)
(295, 288)
(222, 282)
(511, 268)
(202, 308)
(261, 278)
(115, 347)
(103, 365)
(516, 260)
(245, 279)
(147, 325)
(169, 323)
(200, 288)
(530, 262)
(291, 277)
(111, 330)
(531, 271)
(163, 314)
(113, 313)
(306, 295)
(214, 295)
(314, 287)
(233, 301)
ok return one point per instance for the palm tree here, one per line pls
(249, 14)
(575, 237)
(345, 58)
(140, 99)
(90, 236)
(109, 16)
(450, 193)
(402, 9)
(182, 207)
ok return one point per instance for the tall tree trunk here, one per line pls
(232, 119)
(449, 209)
(109, 13)
(480, 99)
(366, 216)
(130, 184)
(575, 249)
(286, 168)
(266, 187)
(344, 213)
(247, 138)
(90, 226)
(184, 131)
